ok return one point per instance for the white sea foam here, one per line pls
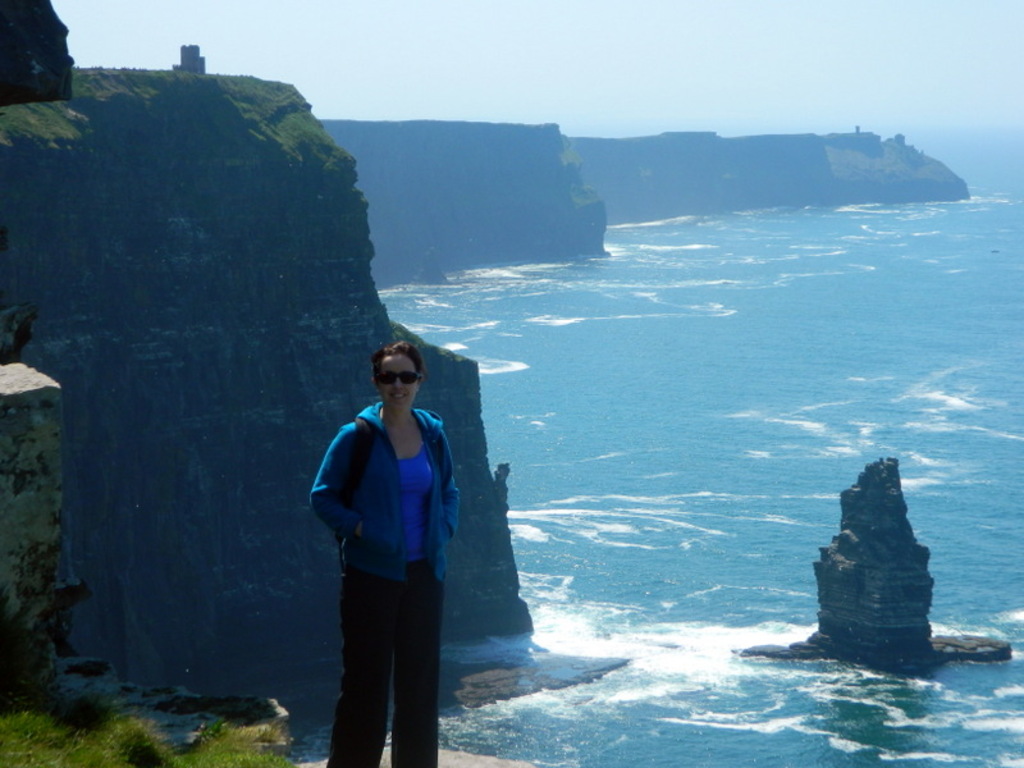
(847, 745)
(819, 406)
(658, 223)
(1007, 724)
(815, 427)
(940, 425)
(917, 483)
(945, 400)
(838, 450)
(925, 461)
(677, 248)
(935, 757)
(488, 366)
(719, 720)
(529, 533)
(604, 456)
(428, 329)
(554, 320)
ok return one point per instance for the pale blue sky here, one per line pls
(595, 67)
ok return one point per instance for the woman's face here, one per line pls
(395, 392)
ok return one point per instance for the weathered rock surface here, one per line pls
(34, 60)
(448, 195)
(15, 330)
(874, 589)
(543, 671)
(30, 502)
(200, 258)
(651, 178)
(180, 715)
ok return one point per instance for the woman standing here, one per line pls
(393, 527)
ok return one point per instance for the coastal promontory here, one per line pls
(650, 178)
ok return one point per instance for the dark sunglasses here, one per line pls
(389, 377)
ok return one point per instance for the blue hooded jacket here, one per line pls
(380, 549)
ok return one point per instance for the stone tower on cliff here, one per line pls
(191, 61)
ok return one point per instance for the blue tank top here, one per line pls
(416, 481)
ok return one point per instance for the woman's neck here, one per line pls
(396, 417)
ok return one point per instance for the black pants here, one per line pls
(389, 627)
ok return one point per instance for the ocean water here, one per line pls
(680, 417)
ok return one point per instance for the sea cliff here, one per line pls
(447, 195)
(651, 178)
(200, 258)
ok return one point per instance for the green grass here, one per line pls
(39, 740)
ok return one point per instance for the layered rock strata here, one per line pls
(874, 589)
(200, 258)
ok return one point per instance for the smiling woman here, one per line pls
(393, 505)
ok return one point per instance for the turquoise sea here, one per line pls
(680, 417)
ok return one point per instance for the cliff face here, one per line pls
(34, 60)
(450, 195)
(201, 263)
(30, 502)
(677, 174)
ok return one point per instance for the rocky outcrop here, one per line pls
(652, 178)
(180, 715)
(30, 505)
(874, 589)
(482, 684)
(34, 66)
(200, 258)
(34, 60)
(15, 331)
(450, 195)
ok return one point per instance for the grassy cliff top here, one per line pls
(269, 111)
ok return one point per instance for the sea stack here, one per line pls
(874, 589)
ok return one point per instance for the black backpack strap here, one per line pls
(357, 462)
